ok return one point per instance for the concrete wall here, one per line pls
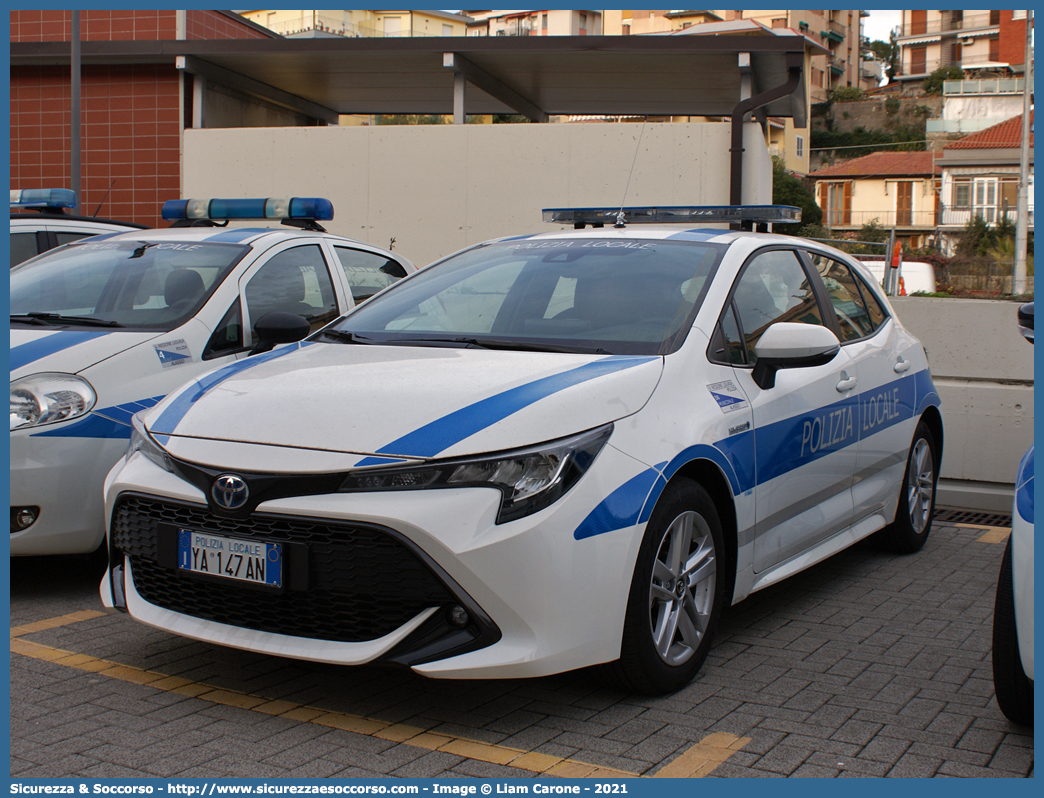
(983, 370)
(434, 189)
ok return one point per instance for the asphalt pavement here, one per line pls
(866, 665)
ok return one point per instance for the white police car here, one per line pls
(540, 453)
(104, 327)
(1013, 608)
(51, 225)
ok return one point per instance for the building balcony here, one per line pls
(915, 219)
(991, 86)
(959, 216)
(910, 71)
(946, 25)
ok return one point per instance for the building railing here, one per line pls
(931, 64)
(888, 219)
(958, 216)
(946, 25)
(986, 86)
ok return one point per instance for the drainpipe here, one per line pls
(795, 69)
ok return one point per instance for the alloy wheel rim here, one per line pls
(681, 592)
(920, 485)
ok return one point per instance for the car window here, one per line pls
(620, 296)
(153, 285)
(367, 272)
(840, 282)
(873, 304)
(23, 247)
(295, 280)
(228, 337)
(773, 287)
(68, 238)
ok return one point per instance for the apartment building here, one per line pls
(987, 40)
(353, 24)
(838, 31)
(535, 22)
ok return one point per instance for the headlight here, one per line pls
(141, 441)
(49, 398)
(529, 479)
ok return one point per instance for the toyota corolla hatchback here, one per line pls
(541, 453)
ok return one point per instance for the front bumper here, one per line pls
(539, 600)
(63, 477)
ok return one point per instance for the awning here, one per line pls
(922, 40)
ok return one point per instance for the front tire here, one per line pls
(1014, 689)
(913, 518)
(676, 594)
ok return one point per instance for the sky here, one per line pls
(878, 25)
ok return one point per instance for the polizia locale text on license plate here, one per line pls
(230, 558)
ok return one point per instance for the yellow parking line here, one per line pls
(991, 534)
(696, 762)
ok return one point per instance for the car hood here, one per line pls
(68, 351)
(386, 403)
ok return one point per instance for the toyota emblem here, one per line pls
(230, 492)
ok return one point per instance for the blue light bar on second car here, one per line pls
(43, 198)
(316, 208)
(684, 214)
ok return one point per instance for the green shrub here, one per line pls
(933, 84)
(846, 94)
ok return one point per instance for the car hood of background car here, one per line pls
(68, 351)
(388, 402)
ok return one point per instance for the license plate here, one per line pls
(230, 558)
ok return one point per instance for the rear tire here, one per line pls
(1014, 689)
(913, 518)
(676, 594)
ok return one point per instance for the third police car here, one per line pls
(106, 326)
(541, 453)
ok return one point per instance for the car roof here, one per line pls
(678, 233)
(230, 235)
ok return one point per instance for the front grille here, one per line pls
(363, 582)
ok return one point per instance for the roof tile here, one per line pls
(1006, 135)
(882, 164)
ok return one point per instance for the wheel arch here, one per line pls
(709, 474)
(932, 418)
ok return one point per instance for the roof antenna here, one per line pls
(113, 183)
(620, 215)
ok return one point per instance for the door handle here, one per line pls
(847, 383)
(901, 366)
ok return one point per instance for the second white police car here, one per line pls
(106, 326)
(541, 453)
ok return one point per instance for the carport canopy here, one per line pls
(534, 76)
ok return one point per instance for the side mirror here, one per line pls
(1026, 321)
(787, 345)
(279, 327)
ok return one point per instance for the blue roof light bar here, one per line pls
(677, 214)
(43, 198)
(275, 208)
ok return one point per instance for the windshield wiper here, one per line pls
(346, 337)
(51, 319)
(498, 343)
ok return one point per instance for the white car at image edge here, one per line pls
(538, 454)
(1013, 608)
(107, 326)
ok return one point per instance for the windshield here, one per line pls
(613, 296)
(156, 285)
